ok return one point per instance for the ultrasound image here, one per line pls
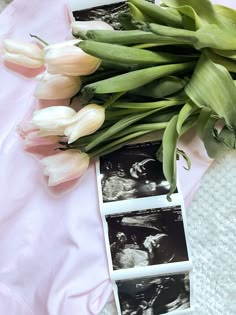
(107, 13)
(147, 237)
(154, 295)
(132, 172)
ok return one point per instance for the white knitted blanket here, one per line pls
(212, 230)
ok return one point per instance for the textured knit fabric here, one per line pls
(212, 229)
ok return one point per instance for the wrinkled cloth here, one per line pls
(53, 259)
(51, 240)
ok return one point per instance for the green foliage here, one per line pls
(174, 68)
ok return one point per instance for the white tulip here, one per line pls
(65, 166)
(63, 120)
(68, 59)
(52, 120)
(24, 54)
(56, 86)
(31, 136)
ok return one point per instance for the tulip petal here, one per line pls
(22, 60)
(57, 86)
(65, 166)
(33, 139)
(52, 118)
(87, 120)
(27, 49)
(70, 60)
(69, 43)
(55, 132)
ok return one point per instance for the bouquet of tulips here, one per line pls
(170, 68)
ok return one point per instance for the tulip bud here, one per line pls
(56, 86)
(32, 138)
(24, 54)
(65, 166)
(52, 120)
(66, 58)
(83, 26)
(86, 121)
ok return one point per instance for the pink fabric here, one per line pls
(53, 258)
(51, 241)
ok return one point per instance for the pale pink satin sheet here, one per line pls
(52, 254)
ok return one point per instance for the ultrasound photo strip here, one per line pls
(145, 234)
(164, 294)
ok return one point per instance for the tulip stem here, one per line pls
(112, 99)
(40, 39)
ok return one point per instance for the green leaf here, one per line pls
(125, 136)
(140, 127)
(191, 20)
(210, 35)
(169, 142)
(189, 123)
(186, 158)
(116, 67)
(184, 113)
(202, 121)
(128, 55)
(211, 85)
(202, 8)
(180, 35)
(161, 15)
(217, 37)
(138, 15)
(227, 13)
(202, 12)
(214, 147)
(230, 65)
(146, 105)
(118, 126)
(231, 54)
(117, 144)
(115, 115)
(134, 79)
(99, 75)
(159, 154)
(228, 137)
(179, 96)
(162, 116)
(128, 37)
(161, 88)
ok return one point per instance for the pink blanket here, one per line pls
(53, 258)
